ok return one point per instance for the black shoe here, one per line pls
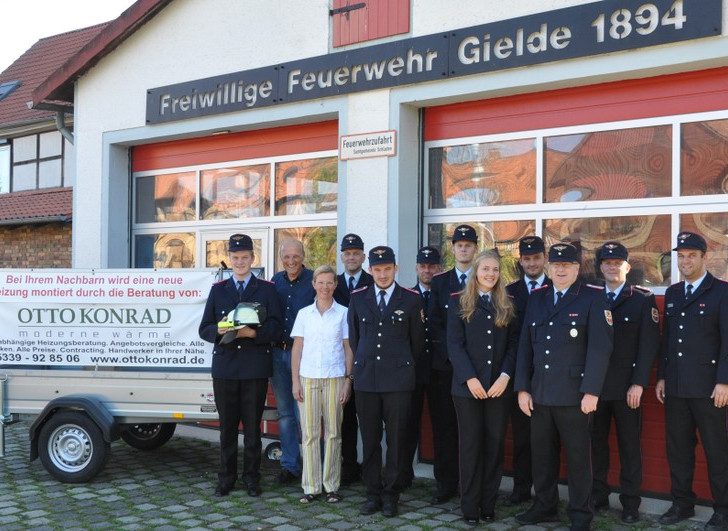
(472, 522)
(389, 509)
(630, 516)
(675, 514)
(286, 476)
(533, 517)
(254, 490)
(370, 507)
(717, 522)
(487, 517)
(221, 491)
(442, 497)
(516, 499)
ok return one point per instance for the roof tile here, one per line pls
(43, 203)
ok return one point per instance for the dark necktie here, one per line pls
(351, 283)
(241, 288)
(558, 297)
(382, 304)
(425, 300)
(689, 291)
(611, 295)
(532, 283)
(463, 277)
(486, 300)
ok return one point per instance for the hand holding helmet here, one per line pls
(245, 314)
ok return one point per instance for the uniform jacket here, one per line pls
(693, 366)
(479, 348)
(563, 351)
(341, 293)
(424, 363)
(247, 358)
(443, 285)
(386, 347)
(518, 289)
(636, 341)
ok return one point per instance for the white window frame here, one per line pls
(674, 205)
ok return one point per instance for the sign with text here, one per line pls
(579, 31)
(382, 144)
(109, 318)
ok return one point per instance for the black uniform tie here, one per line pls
(382, 304)
(425, 300)
(611, 296)
(463, 277)
(558, 297)
(689, 291)
(351, 283)
(533, 285)
(241, 288)
(486, 299)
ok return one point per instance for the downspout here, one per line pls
(61, 126)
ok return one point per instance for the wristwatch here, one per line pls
(350, 377)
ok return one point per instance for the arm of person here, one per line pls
(208, 324)
(347, 389)
(462, 366)
(417, 330)
(296, 352)
(509, 360)
(600, 343)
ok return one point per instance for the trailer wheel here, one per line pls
(72, 448)
(147, 436)
(273, 451)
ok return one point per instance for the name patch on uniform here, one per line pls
(670, 305)
(573, 315)
(702, 305)
(655, 315)
(608, 316)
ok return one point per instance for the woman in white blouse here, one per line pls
(321, 363)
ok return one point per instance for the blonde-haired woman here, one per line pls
(482, 338)
(321, 361)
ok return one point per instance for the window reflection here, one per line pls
(714, 228)
(306, 186)
(501, 234)
(318, 242)
(230, 193)
(619, 164)
(646, 237)
(161, 198)
(173, 250)
(704, 158)
(492, 173)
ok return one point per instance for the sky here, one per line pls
(23, 22)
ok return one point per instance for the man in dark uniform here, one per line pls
(428, 265)
(439, 390)
(353, 278)
(563, 355)
(692, 381)
(241, 368)
(636, 342)
(387, 335)
(532, 260)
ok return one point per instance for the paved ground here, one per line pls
(171, 488)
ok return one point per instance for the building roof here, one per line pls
(34, 206)
(58, 86)
(33, 68)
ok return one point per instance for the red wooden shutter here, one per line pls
(374, 20)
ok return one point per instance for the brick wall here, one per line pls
(37, 246)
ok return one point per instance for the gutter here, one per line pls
(61, 126)
(33, 221)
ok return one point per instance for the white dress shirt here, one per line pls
(323, 336)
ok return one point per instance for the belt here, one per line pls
(285, 346)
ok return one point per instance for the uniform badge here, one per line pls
(573, 332)
(399, 312)
(608, 316)
(422, 315)
(655, 315)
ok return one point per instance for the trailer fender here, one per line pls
(89, 405)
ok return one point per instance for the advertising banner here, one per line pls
(111, 318)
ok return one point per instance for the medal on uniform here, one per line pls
(608, 316)
(655, 315)
(573, 332)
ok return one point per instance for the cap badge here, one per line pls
(560, 247)
(379, 252)
(463, 230)
(426, 252)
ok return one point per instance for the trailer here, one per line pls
(91, 356)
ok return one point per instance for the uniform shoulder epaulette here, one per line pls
(721, 280)
(643, 289)
(410, 290)
(456, 294)
(441, 273)
(594, 286)
(676, 283)
(220, 282)
(514, 282)
(268, 281)
(359, 290)
(542, 286)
